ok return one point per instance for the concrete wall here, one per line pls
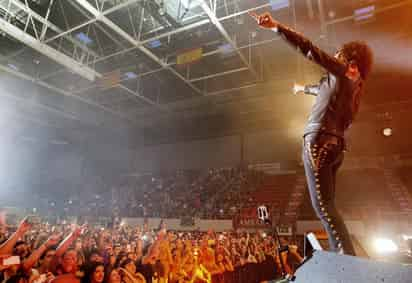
(258, 147)
(218, 152)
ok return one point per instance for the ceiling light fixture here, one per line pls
(387, 132)
(162, 9)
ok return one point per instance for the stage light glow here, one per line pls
(84, 38)
(383, 245)
(387, 132)
(130, 75)
(162, 9)
(364, 13)
(407, 237)
(155, 43)
(298, 88)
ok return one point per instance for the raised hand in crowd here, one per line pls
(8, 245)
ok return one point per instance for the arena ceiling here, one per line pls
(186, 67)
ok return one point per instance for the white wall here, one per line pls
(259, 147)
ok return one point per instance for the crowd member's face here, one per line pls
(98, 274)
(179, 245)
(117, 250)
(69, 262)
(188, 245)
(244, 249)
(93, 242)
(78, 246)
(114, 277)
(22, 250)
(48, 257)
(86, 243)
(170, 236)
(233, 250)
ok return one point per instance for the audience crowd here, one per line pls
(36, 252)
(211, 194)
(217, 194)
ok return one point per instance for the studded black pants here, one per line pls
(322, 157)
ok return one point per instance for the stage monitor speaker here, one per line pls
(327, 267)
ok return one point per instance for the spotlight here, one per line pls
(387, 132)
(162, 9)
(385, 246)
(41, 2)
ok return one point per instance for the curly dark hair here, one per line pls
(359, 53)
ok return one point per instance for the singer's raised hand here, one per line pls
(264, 20)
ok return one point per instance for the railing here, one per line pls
(249, 273)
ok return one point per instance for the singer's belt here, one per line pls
(325, 137)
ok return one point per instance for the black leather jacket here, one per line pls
(337, 95)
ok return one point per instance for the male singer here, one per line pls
(337, 102)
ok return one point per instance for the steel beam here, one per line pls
(224, 33)
(86, 5)
(170, 33)
(210, 53)
(62, 58)
(163, 35)
(50, 25)
(63, 92)
(92, 19)
(186, 28)
(104, 13)
(219, 74)
(48, 51)
(138, 76)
